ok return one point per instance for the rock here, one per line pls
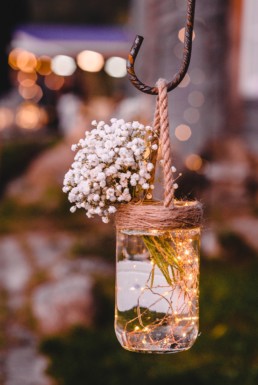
(15, 270)
(25, 367)
(90, 266)
(23, 364)
(46, 249)
(61, 304)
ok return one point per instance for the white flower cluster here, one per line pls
(111, 166)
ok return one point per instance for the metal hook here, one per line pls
(178, 77)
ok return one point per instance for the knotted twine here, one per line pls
(169, 214)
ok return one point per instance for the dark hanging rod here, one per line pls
(178, 77)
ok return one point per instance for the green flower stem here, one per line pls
(163, 254)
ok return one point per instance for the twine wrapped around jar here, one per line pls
(170, 213)
(154, 215)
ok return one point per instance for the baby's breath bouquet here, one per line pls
(114, 164)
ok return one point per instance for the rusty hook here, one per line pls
(178, 77)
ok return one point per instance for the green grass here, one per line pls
(225, 352)
(17, 217)
(90, 244)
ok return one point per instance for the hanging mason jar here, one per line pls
(157, 276)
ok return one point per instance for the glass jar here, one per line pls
(157, 289)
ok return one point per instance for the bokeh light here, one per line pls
(20, 59)
(192, 115)
(116, 67)
(196, 98)
(30, 117)
(26, 79)
(181, 35)
(63, 65)
(183, 132)
(12, 58)
(33, 92)
(44, 65)
(90, 61)
(27, 116)
(54, 82)
(26, 61)
(185, 82)
(193, 162)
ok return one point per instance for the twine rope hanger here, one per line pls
(161, 126)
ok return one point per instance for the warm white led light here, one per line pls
(63, 65)
(90, 61)
(116, 67)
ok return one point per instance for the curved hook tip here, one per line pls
(178, 77)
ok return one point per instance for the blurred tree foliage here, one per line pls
(79, 12)
(15, 12)
(17, 155)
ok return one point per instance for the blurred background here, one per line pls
(62, 64)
